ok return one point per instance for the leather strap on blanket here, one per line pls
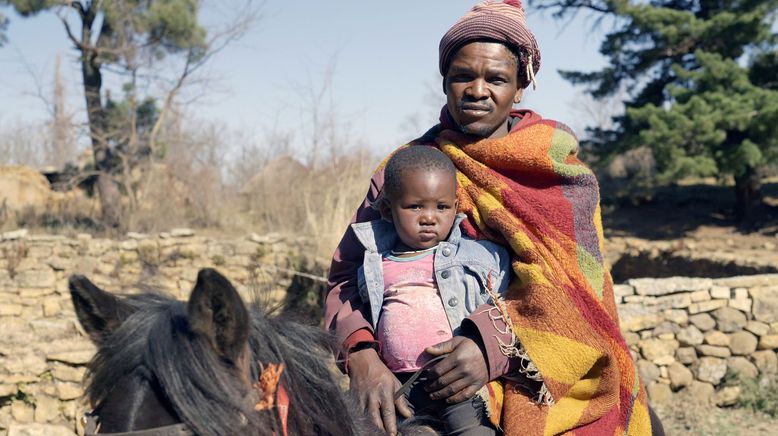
(529, 191)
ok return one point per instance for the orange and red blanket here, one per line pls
(529, 191)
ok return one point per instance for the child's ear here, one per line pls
(385, 208)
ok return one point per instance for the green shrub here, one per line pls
(760, 394)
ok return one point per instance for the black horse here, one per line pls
(162, 362)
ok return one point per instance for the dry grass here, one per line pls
(197, 186)
(288, 197)
(202, 182)
(187, 187)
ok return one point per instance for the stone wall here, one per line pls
(43, 349)
(686, 333)
(689, 333)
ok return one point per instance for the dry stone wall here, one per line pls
(43, 351)
(687, 334)
(690, 333)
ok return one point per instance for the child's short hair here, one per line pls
(415, 157)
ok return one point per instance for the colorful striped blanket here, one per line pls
(530, 192)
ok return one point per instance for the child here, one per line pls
(421, 277)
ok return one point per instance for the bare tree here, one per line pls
(428, 113)
(20, 144)
(130, 38)
(61, 143)
(596, 114)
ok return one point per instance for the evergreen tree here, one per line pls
(702, 77)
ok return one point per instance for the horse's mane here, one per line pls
(156, 343)
(318, 403)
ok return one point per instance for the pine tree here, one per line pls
(702, 77)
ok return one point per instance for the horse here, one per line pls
(165, 366)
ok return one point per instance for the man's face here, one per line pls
(424, 210)
(481, 87)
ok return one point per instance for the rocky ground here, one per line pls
(685, 418)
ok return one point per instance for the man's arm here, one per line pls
(488, 328)
(345, 313)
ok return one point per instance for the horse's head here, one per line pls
(161, 362)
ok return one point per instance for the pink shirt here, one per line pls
(412, 316)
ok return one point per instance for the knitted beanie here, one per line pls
(502, 21)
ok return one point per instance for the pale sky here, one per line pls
(386, 52)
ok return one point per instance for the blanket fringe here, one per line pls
(515, 349)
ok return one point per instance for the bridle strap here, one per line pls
(408, 384)
(282, 407)
(92, 428)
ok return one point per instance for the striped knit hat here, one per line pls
(501, 21)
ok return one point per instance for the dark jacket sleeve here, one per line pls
(345, 312)
(486, 324)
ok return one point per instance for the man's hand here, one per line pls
(460, 374)
(375, 386)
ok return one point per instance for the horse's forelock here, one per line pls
(206, 392)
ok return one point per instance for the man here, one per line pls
(555, 338)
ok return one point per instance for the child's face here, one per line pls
(424, 210)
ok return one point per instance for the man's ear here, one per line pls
(517, 96)
(445, 91)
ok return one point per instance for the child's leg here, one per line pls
(467, 418)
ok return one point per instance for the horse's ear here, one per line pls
(99, 312)
(216, 311)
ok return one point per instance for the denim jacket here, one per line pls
(462, 269)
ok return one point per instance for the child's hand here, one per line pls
(461, 373)
(374, 386)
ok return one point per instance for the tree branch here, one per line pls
(246, 17)
(564, 7)
(78, 6)
(79, 45)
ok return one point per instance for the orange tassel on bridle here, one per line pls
(268, 385)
